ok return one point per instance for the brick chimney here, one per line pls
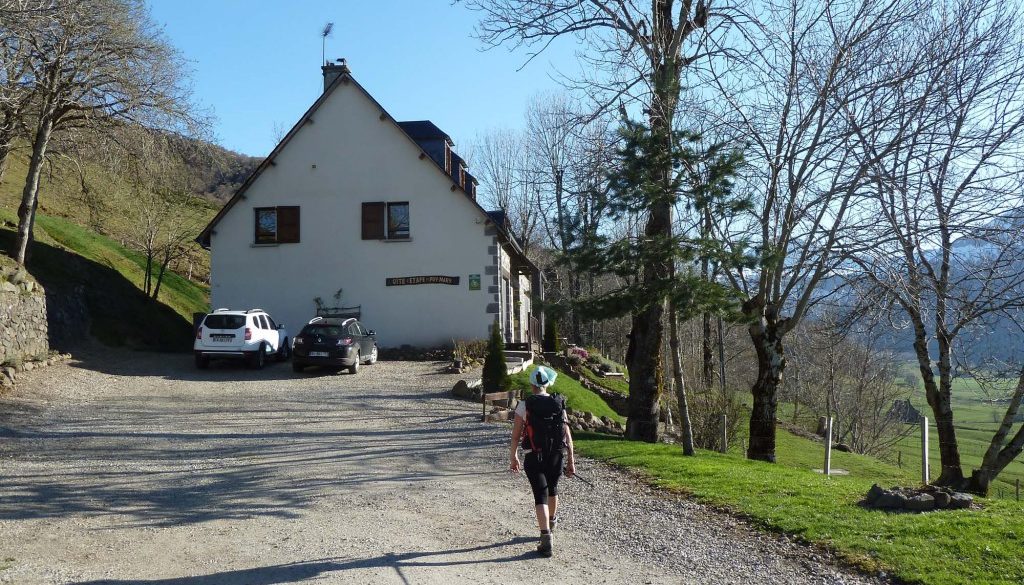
(333, 71)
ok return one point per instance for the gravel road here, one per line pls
(126, 467)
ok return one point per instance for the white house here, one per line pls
(382, 211)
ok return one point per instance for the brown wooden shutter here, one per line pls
(287, 225)
(373, 221)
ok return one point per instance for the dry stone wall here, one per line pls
(23, 325)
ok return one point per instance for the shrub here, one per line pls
(583, 354)
(574, 360)
(551, 341)
(495, 376)
(475, 349)
(706, 410)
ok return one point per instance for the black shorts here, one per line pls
(543, 476)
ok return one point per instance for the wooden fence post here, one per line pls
(925, 475)
(828, 446)
(724, 445)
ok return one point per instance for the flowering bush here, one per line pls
(579, 352)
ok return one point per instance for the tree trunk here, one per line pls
(677, 373)
(160, 275)
(771, 361)
(645, 375)
(938, 395)
(30, 194)
(5, 151)
(998, 456)
(147, 278)
(707, 345)
(708, 374)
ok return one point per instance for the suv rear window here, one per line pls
(224, 321)
(325, 330)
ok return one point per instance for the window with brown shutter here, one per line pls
(373, 221)
(277, 225)
(288, 225)
(386, 220)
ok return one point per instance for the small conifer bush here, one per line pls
(495, 377)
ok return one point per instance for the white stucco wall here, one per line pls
(345, 157)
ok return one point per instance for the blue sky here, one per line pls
(256, 63)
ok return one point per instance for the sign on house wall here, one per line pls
(407, 280)
(474, 282)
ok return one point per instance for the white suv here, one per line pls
(251, 334)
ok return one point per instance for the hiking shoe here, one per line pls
(553, 522)
(544, 548)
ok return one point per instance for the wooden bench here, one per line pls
(509, 398)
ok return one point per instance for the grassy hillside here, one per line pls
(939, 548)
(79, 267)
(577, 397)
(942, 548)
(92, 197)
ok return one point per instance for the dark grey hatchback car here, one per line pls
(334, 343)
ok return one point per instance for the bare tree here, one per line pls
(796, 96)
(947, 194)
(95, 63)
(17, 17)
(509, 183)
(646, 51)
(160, 204)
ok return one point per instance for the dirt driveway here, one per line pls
(136, 468)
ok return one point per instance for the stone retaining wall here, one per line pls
(23, 325)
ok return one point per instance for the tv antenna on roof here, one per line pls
(326, 32)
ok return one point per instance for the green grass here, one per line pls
(72, 262)
(941, 548)
(616, 384)
(976, 422)
(181, 294)
(577, 397)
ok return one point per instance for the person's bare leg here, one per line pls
(552, 506)
(542, 517)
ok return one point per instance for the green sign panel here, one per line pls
(474, 282)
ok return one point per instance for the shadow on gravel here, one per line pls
(196, 453)
(295, 572)
(181, 366)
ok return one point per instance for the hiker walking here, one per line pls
(542, 426)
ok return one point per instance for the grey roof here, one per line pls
(423, 130)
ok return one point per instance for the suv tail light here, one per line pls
(199, 333)
(345, 341)
(248, 333)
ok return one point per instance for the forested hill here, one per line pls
(110, 203)
(220, 171)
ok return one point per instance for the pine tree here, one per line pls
(495, 376)
(659, 266)
(551, 341)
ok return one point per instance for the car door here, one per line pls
(277, 335)
(268, 333)
(357, 338)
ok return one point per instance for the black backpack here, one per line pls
(545, 416)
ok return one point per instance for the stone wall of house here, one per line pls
(23, 325)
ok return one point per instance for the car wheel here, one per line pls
(258, 358)
(202, 361)
(297, 367)
(284, 352)
(354, 368)
(373, 356)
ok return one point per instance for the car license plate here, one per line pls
(318, 354)
(222, 338)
